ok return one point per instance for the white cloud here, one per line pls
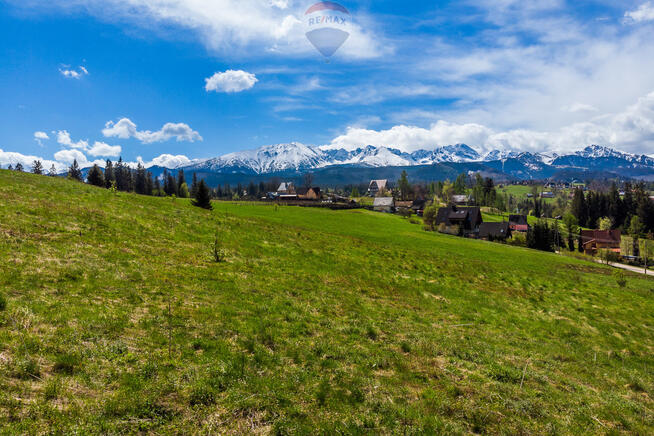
(236, 27)
(579, 107)
(644, 12)
(39, 137)
(230, 81)
(105, 150)
(125, 129)
(12, 158)
(68, 156)
(631, 130)
(63, 138)
(168, 161)
(74, 73)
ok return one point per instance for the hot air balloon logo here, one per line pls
(327, 26)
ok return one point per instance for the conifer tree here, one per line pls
(19, 167)
(149, 185)
(109, 174)
(95, 176)
(194, 185)
(10, 168)
(203, 196)
(180, 180)
(37, 167)
(53, 171)
(140, 180)
(74, 172)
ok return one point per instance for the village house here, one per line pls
(309, 193)
(403, 205)
(518, 223)
(419, 206)
(494, 231)
(286, 188)
(377, 186)
(464, 219)
(547, 194)
(594, 240)
(384, 204)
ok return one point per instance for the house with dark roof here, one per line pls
(309, 193)
(594, 240)
(495, 231)
(465, 220)
(419, 206)
(377, 186)
(518, 223)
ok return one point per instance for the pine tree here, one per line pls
(157, 188)
(95, 176)
(74, 172)
(109, 174)
(181, 180)
(203, 196)
(10, 168)
(149, 184)
(194, 185)
(53, 171)
(140, 180)
(37, 167)
(19, 167)
(404, 185)
(579, 207)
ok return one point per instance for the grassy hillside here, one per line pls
(319, 322)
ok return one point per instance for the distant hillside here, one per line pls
(115, 319)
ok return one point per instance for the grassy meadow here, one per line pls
(115, 319)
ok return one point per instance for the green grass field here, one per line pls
(319, 322)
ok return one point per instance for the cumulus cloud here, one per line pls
(39, 137)
(644, 12)
(68, 156)
(230, 81)
(74, 73)
(579, 107)
(631, 130)
(63, 138)
(12, 158)
(247, 27)
(125, 128)
(167, 161)
(105, 150)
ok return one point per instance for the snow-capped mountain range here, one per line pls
(299, 158)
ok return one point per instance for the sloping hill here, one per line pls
(319, 322)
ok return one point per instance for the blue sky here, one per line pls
(548, 75)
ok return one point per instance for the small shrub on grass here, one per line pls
(218, 252)
(3, 302)
(66, 363)
(406, 347)
(202, 395)
(52, 389)
(26, 368)
(620, 278)
(372, 333)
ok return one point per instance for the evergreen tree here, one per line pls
(149, 184)
(203, 196)
(140, 180)
(460, 184)
(355, 193)
(53, 171)
(579, 207)
(74, 172)
(109, 174)
(262, 189)
(19, 167)
(157, 187)
(10, 168)
(538, 207)
(170, 185)
(570, 228)
(194, 185)
(37, 167)
(404, 185)
(181, 180)
(95, 176)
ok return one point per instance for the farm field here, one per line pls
(115, 319)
